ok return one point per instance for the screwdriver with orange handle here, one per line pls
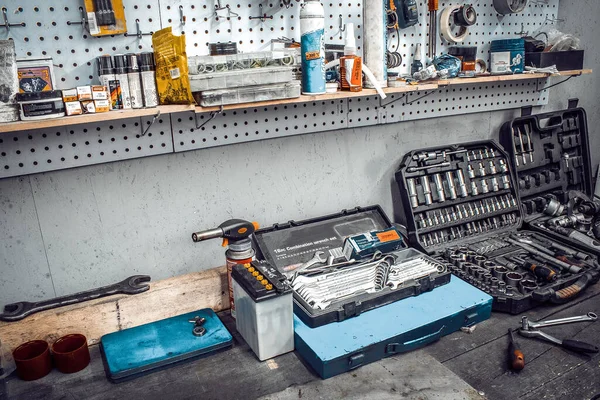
(539, 270)
(433, 8)
(515, 355)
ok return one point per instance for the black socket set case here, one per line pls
(461, 205)
(297, 241)
(556, 161)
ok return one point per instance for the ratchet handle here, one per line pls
(566, 294)
(579, 347)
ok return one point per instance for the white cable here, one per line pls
(446, 25)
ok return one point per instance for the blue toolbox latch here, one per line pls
(470, 318)
(356, 360)
(393, 348)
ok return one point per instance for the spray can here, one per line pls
(106, 74)
(375, 41)
(148, 78)
(135, 83)
(312, 28)
(236, 237)
(120, 63)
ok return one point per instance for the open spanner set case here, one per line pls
(461, 205)
(551, 156)
(336, 289)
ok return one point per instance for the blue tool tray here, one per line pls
(135, 351)
(395, 328)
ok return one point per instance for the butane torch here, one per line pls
(236, 237)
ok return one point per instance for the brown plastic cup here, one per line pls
(71, 353)
(33, 360)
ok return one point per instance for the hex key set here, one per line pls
(461, 206)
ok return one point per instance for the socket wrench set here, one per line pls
(462, 207)
(551, 156)
(330, 286)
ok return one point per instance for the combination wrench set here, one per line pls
(475, 233)
(318, 285)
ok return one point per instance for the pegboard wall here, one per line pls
(52, 30)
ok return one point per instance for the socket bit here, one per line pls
(505, 182)
(474, 190)
(450, 182)
(462, 187)
(492, 167)
(495, 186)
(439, 187)
(481, 169)
(412, 192)
(470, 171)
(503, 166)
(484, 187)
(426, 190)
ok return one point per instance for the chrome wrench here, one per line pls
(526, 325)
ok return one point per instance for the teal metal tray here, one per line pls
(135, 351)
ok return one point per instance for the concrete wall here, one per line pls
(71, 230)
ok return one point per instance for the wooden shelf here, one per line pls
(145, 112)
(90, 118)
(429, 85)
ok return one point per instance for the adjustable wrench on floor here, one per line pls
(133, 285)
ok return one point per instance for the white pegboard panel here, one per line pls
(489, 26)
(202, 26)
(28, 152)
(257, 123)
(73, 50)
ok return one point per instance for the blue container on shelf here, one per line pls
(507, 56)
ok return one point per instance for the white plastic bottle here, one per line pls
(312, 28)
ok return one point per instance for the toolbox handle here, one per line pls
(566, 294)
(573, 103)
(554, 122)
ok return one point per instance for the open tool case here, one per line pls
(551, 156)
(296, 242)
(461, 205)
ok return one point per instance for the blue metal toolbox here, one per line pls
(132, 352)
(402, 326)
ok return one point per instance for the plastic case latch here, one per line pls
(356, 360)
(526, 111)
(349, 310)
(469, 318)
(573, 103)
(392, 348)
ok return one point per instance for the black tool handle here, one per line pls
(579, 347)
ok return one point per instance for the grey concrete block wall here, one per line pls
(75, 229)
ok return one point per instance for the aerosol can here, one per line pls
(236, 237)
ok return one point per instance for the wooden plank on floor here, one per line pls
(497, 326)
(413, 375)
(166, 298)
(485, 367)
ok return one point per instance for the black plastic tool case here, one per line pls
(470, 219)
(556, 162)
(297, 241)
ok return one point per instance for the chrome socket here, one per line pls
(487, 278)
(494, 282)
(479, 260)
(527, 286)
(502, 287)
(411, 186)
(513, 278)
(499, 272)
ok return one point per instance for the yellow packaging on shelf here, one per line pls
(108, 20)
(172, 80)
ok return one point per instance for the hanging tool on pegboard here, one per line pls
(433, 8)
